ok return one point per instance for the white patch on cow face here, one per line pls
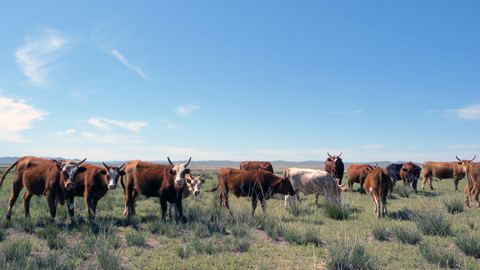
(180, 171)
(195, 186)
(112, 178)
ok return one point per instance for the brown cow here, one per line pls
(257, 184)
(40, 177)
(472, 172)
(93, 184)
(334, 166)
(378, 184)
(410, 173)
(255, 165)
(357, 173)
(193, 187)
(154, 180)
(442, 170)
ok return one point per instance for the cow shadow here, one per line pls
(433, 193)
(403, 214)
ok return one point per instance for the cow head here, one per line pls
(195, 183)
(284, 186)
(178, 171)
(412, 170)
(113, 173)
(334, 158)
(70, 169)
(466, 167)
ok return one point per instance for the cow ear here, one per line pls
(81, 169)
(187, 171)
(103, 172)
(171, 171)
(121, 172)
(202, 180)
(403, 169)
(188, 179)
(329, 159)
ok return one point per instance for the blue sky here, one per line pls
(240, 80)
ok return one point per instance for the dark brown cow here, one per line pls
(442, 170)
(410, 173)
(154, 180)
(40, 177)
(260, 185)
(255, 165)
(93, 184)
(378, 184)
(472, 172)
(334, 166)
(357, 173)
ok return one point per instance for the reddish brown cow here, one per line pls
(93, 184)
(357, 173)
(255, 165)
(154, 180)
(40, 177)
(334, 166)
(472, 172)
(378, 184)
(410, 173)
(260, 185)
(442, 170)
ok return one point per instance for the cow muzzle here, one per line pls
(196, 193)
(110, 186)
(70, 185)
(179, 183)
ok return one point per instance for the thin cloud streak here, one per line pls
(471, 112)
(103, 124)
(35, 56)
(185, 110)
(122, 59)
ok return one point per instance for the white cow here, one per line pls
(193, 187)
(313, 182)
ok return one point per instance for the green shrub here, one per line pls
(3, 233)
(52, 262)
(408, 236)
(135, 238)
(337, 211)
(17, 250)
(402, 191)
(301, 235)
(470, 245)
(348, 254)
(51, 234)
(439, 256)
(454, 205)
(380, 232)
(106, 257)
(434, 223)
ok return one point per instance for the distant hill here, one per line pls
(279, 164)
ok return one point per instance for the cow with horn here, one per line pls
(472, 173)
(334, 166)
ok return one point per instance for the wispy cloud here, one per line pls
(122, 59)
(471, 112)
(16, 116)
(185, 110)
(111, 138)
(170, 125)
(35, 56)
(348, 112)
(374, 146)
(66, 132)
(103, 124)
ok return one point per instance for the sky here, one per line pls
(240, 80)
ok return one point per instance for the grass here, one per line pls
(439, 256)
(454, 205)
(327, 235)
(402, 191)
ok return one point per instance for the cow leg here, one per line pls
(264, 205)
(26, 202)
(52, 205)
(414, 186)
(163, 204)
(316, 198)
(350, 186)
(475, 196)
(16, 188)
(361, 188)
(455, 182)
(134, 200)
(466, 193)
(169, 214)
(430, 183)
(297, 195)
(254, 205)
(89, 205)
(71, 207)
(179, 210)
(423, 182)
(94, 207)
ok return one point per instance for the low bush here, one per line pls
(408, 236)
(470, 245)
(17, 250)
(454, 205)
(134, 238)
(438, 256)
(337, 211)
(402, 191)
(434, 223)
(380, 232)
(348, 254)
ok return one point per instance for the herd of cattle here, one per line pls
(60, 181)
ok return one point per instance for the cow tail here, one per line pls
(123, 184)
(213, 189)
(6, 172)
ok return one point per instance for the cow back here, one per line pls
(443, 170)
(92, 178)
(150, 179)
(255, 165)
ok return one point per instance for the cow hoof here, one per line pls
(8, 217)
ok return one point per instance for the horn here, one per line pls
(201, 175)
(119, 168)
(106, 166)
(473, 158)
(328, 154)
(169, 161)
(58, 162)
(376, 164)
(458, 158)
(186, 164)
(81, 161)
(340, 154)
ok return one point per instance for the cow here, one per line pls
(357, 173)
(334, 165)
(166, 182)
(472, 173)
(259, 184)
(193, 187)
(378, 184)
(256, 165)
(93, 184)
(410, 173)
(394, 172)
(313, 182)
(442, 170)
(42, 177)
